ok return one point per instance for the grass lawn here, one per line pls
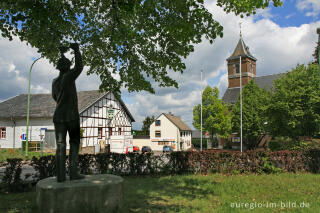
(212, 193)
(16, 153)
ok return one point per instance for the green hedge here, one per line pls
(211, 161)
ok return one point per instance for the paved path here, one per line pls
(26, 170)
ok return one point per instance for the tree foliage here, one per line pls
(254, 105)
(126, 42)
(146, 124)
(295, 108)
(215, 114)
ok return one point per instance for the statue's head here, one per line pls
(63, 64)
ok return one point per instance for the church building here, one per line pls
(248, 72)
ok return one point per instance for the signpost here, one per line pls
(110, 114)
(23, 138)
(42, 134)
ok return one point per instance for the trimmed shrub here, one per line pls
(204, 162)
(45, 166)
(12, 175)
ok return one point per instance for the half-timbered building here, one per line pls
(104, 118)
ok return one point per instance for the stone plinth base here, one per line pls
(95, 193)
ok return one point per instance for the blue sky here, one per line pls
(279, 38)
(293, 13)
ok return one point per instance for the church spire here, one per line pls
(248, 64)
(241, 49)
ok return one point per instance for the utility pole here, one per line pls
(240, 95)
(318, 32)
(240, 106)
(201, 114)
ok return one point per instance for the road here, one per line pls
(27, 170)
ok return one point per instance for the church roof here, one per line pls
(231, 95)
(241, 50)
(43, 105)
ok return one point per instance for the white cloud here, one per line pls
(223, 83)
(311, 7)
(290, 15)
(264, 13)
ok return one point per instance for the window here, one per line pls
(237, 68)
(110, 131)
(158, 134)
(160, 143)
(3, 133)
(119, 131)
(158, 122)
(180, 134)
(99, 132)
(251, 68)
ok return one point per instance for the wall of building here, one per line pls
(235, 82)
(247, 74)
(96, 117)
(169, 134)
(140, 142)
(185, 138)
(14, 131)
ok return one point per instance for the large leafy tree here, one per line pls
(146, 124)
(254, 105)
(215, 114)
(295, 108)
(126, 42)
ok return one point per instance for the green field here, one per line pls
(16, 153)
(212, 193)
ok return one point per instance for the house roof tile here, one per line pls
(231, 95)
(43, 105)
(178, 122)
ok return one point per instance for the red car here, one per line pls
(136, 149)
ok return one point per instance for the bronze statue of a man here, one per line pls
(66, 115)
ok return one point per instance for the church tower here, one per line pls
(248, 65)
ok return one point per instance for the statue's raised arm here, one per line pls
(78, 67)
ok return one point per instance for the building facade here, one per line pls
(169, 130)
(103, 118)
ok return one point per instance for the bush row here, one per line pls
(211, 161)
(214, 161)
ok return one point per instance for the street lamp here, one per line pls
(28, 108)
(201, 116)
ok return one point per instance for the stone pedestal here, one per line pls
(95, 193)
